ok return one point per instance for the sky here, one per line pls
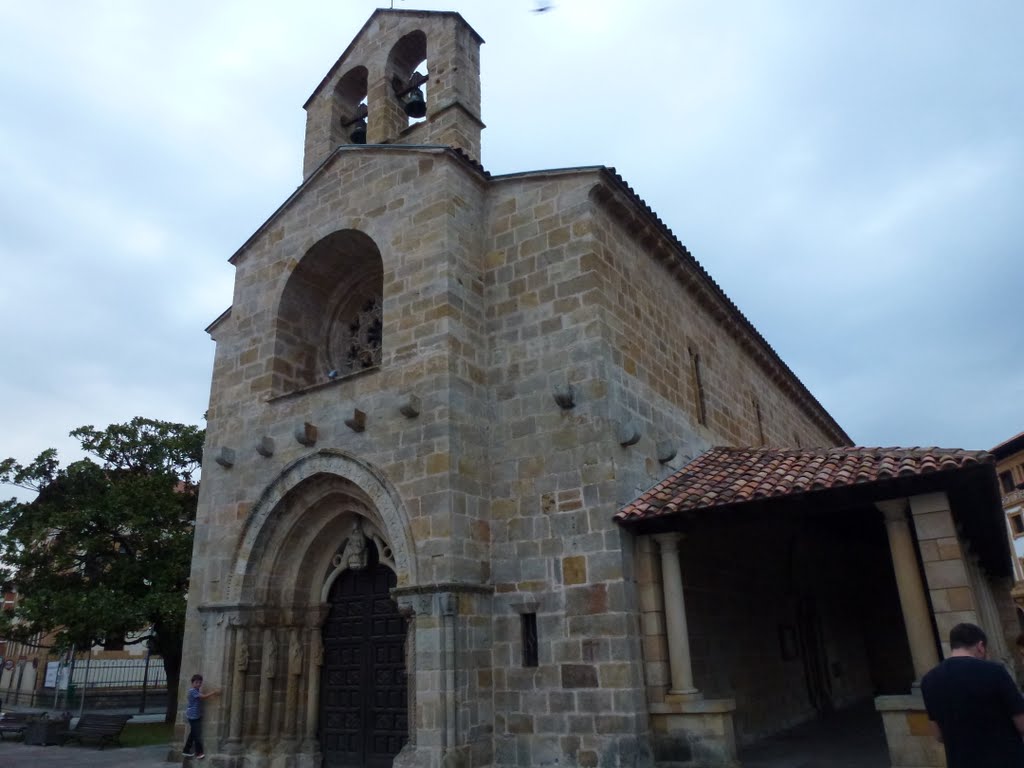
(851, 173)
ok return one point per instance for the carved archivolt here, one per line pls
(329, 493)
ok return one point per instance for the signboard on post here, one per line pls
(52, 674)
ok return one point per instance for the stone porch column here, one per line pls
(913, 601)
(678, 637)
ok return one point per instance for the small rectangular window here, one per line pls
(529, 639)
(1017, 523)
(1006, 480)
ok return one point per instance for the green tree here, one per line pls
(104, 548)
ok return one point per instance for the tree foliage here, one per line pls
(104, 548)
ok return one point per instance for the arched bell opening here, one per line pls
(348, 123)
(408, 75)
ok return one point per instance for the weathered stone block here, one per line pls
(579, 676)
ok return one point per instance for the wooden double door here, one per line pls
(364, 718)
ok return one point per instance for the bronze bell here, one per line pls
(415, 106)
(357, 135)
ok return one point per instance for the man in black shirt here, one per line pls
(974, 706)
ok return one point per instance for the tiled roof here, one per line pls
(724, 476)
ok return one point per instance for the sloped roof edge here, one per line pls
(455, 152)
(220, 319)
(759, 342)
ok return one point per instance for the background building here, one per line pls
(1009, 457)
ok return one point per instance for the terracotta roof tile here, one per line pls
(724, 476)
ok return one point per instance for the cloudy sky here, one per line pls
(850, 171)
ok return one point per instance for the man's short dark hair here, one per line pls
(966, 636)
(197, 677)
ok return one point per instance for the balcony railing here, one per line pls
(1013, 497)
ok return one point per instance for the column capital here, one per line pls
(669, 542)
(895, 510)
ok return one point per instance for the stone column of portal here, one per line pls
(916, 615)
(316, 660)
(241, 664)
(448, 603)
(291, 709)
(676, 632)
(268, 667)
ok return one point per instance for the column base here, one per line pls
(683, 696)
(694, 733)
(907, 732)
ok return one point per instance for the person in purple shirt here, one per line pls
(974, 706)
(194, 715)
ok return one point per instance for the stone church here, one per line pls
(497, 475)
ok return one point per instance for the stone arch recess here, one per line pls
(315, 500)
(337, 275)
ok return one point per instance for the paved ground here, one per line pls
(853, 739)
(14, 754)
(850, 739)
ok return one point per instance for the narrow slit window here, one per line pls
(698, 387)
(529, 621)
(760, 423)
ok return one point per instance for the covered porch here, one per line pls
(780, 587)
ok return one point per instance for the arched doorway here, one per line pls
(363, 696)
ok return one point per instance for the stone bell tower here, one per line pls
(408, 77)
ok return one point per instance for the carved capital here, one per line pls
(668, 542)
(894, 510)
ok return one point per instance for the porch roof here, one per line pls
(733, 479)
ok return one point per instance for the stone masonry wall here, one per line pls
(555, 551)
(497, 296)
(654, 322)
(946, 576)
(421, 208)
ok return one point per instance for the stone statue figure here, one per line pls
(242, 662)
(355, 555)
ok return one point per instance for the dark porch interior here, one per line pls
(849, 738)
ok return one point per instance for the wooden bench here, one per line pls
(104, 729)
(15, 723)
